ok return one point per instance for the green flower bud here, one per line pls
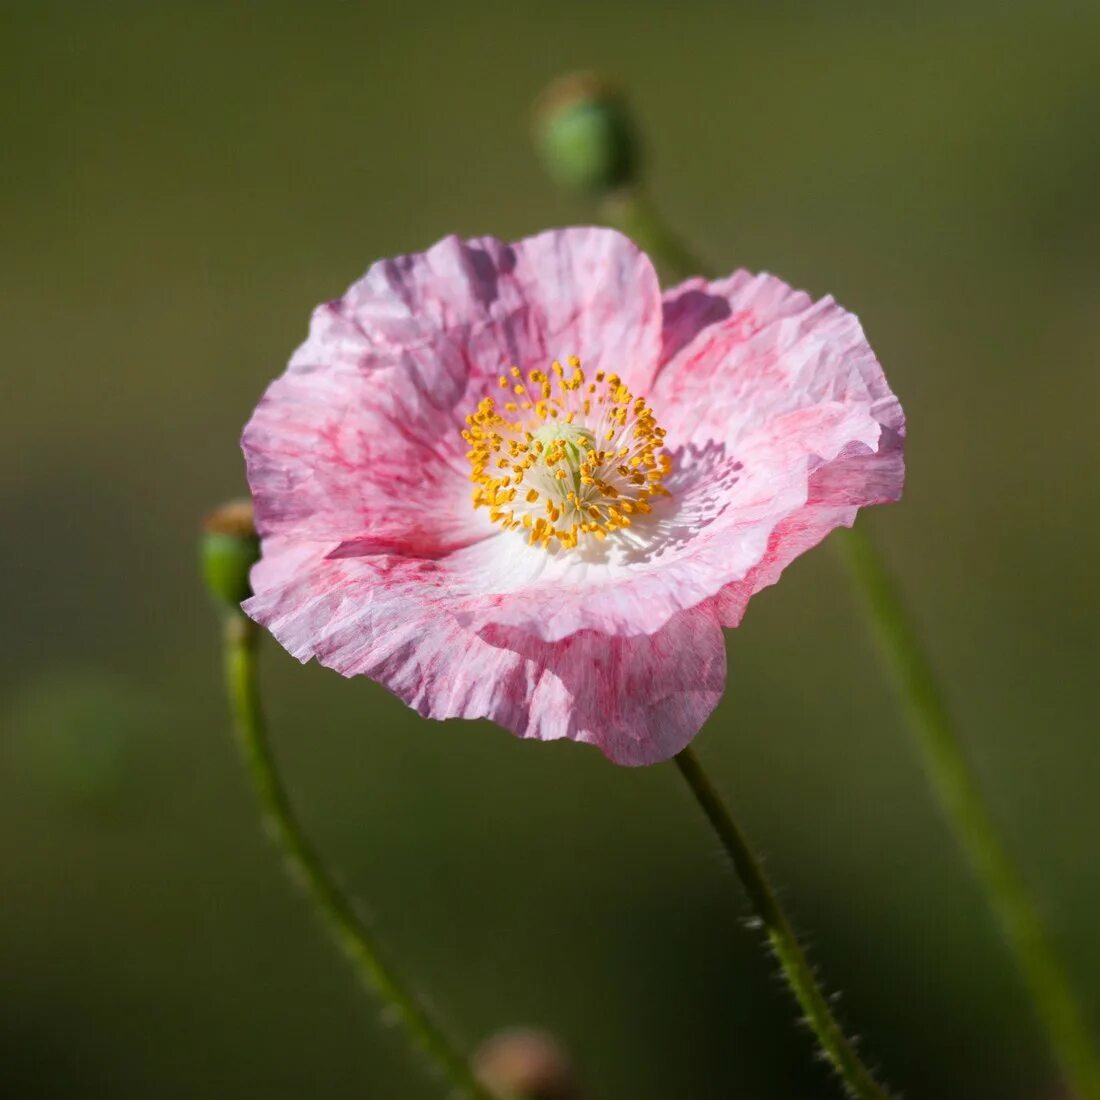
(585, 137)
(228, 550)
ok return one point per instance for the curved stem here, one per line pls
(796, 969)
(945, 763)
(306, 868)
(957, 790)
(632, 211)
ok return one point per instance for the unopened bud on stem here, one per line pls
(228, 549)
(584, 135)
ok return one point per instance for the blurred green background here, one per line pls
(180, 184)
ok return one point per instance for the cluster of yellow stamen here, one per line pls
(564, 457)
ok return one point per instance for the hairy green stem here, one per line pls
(957, 790)
(945, 763)
(307, 869)
(796, 969)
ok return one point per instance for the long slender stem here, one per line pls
(796, 969)
(948, 773)
(306, 868)
(957, 790)
(634, 212)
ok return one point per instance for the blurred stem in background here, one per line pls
(575, 119)
(957, 790)
(229, 548)
(792, 960)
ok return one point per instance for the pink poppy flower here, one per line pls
(516, 482)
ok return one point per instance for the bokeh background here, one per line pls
(180, 184)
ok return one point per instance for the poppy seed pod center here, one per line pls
(565, 457)
(571, 441)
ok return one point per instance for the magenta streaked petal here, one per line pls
(742, 351)
(638, 699)
(837, 491)
(359, 439)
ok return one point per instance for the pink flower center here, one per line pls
(565, 458)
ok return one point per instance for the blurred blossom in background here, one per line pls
(181, 183)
